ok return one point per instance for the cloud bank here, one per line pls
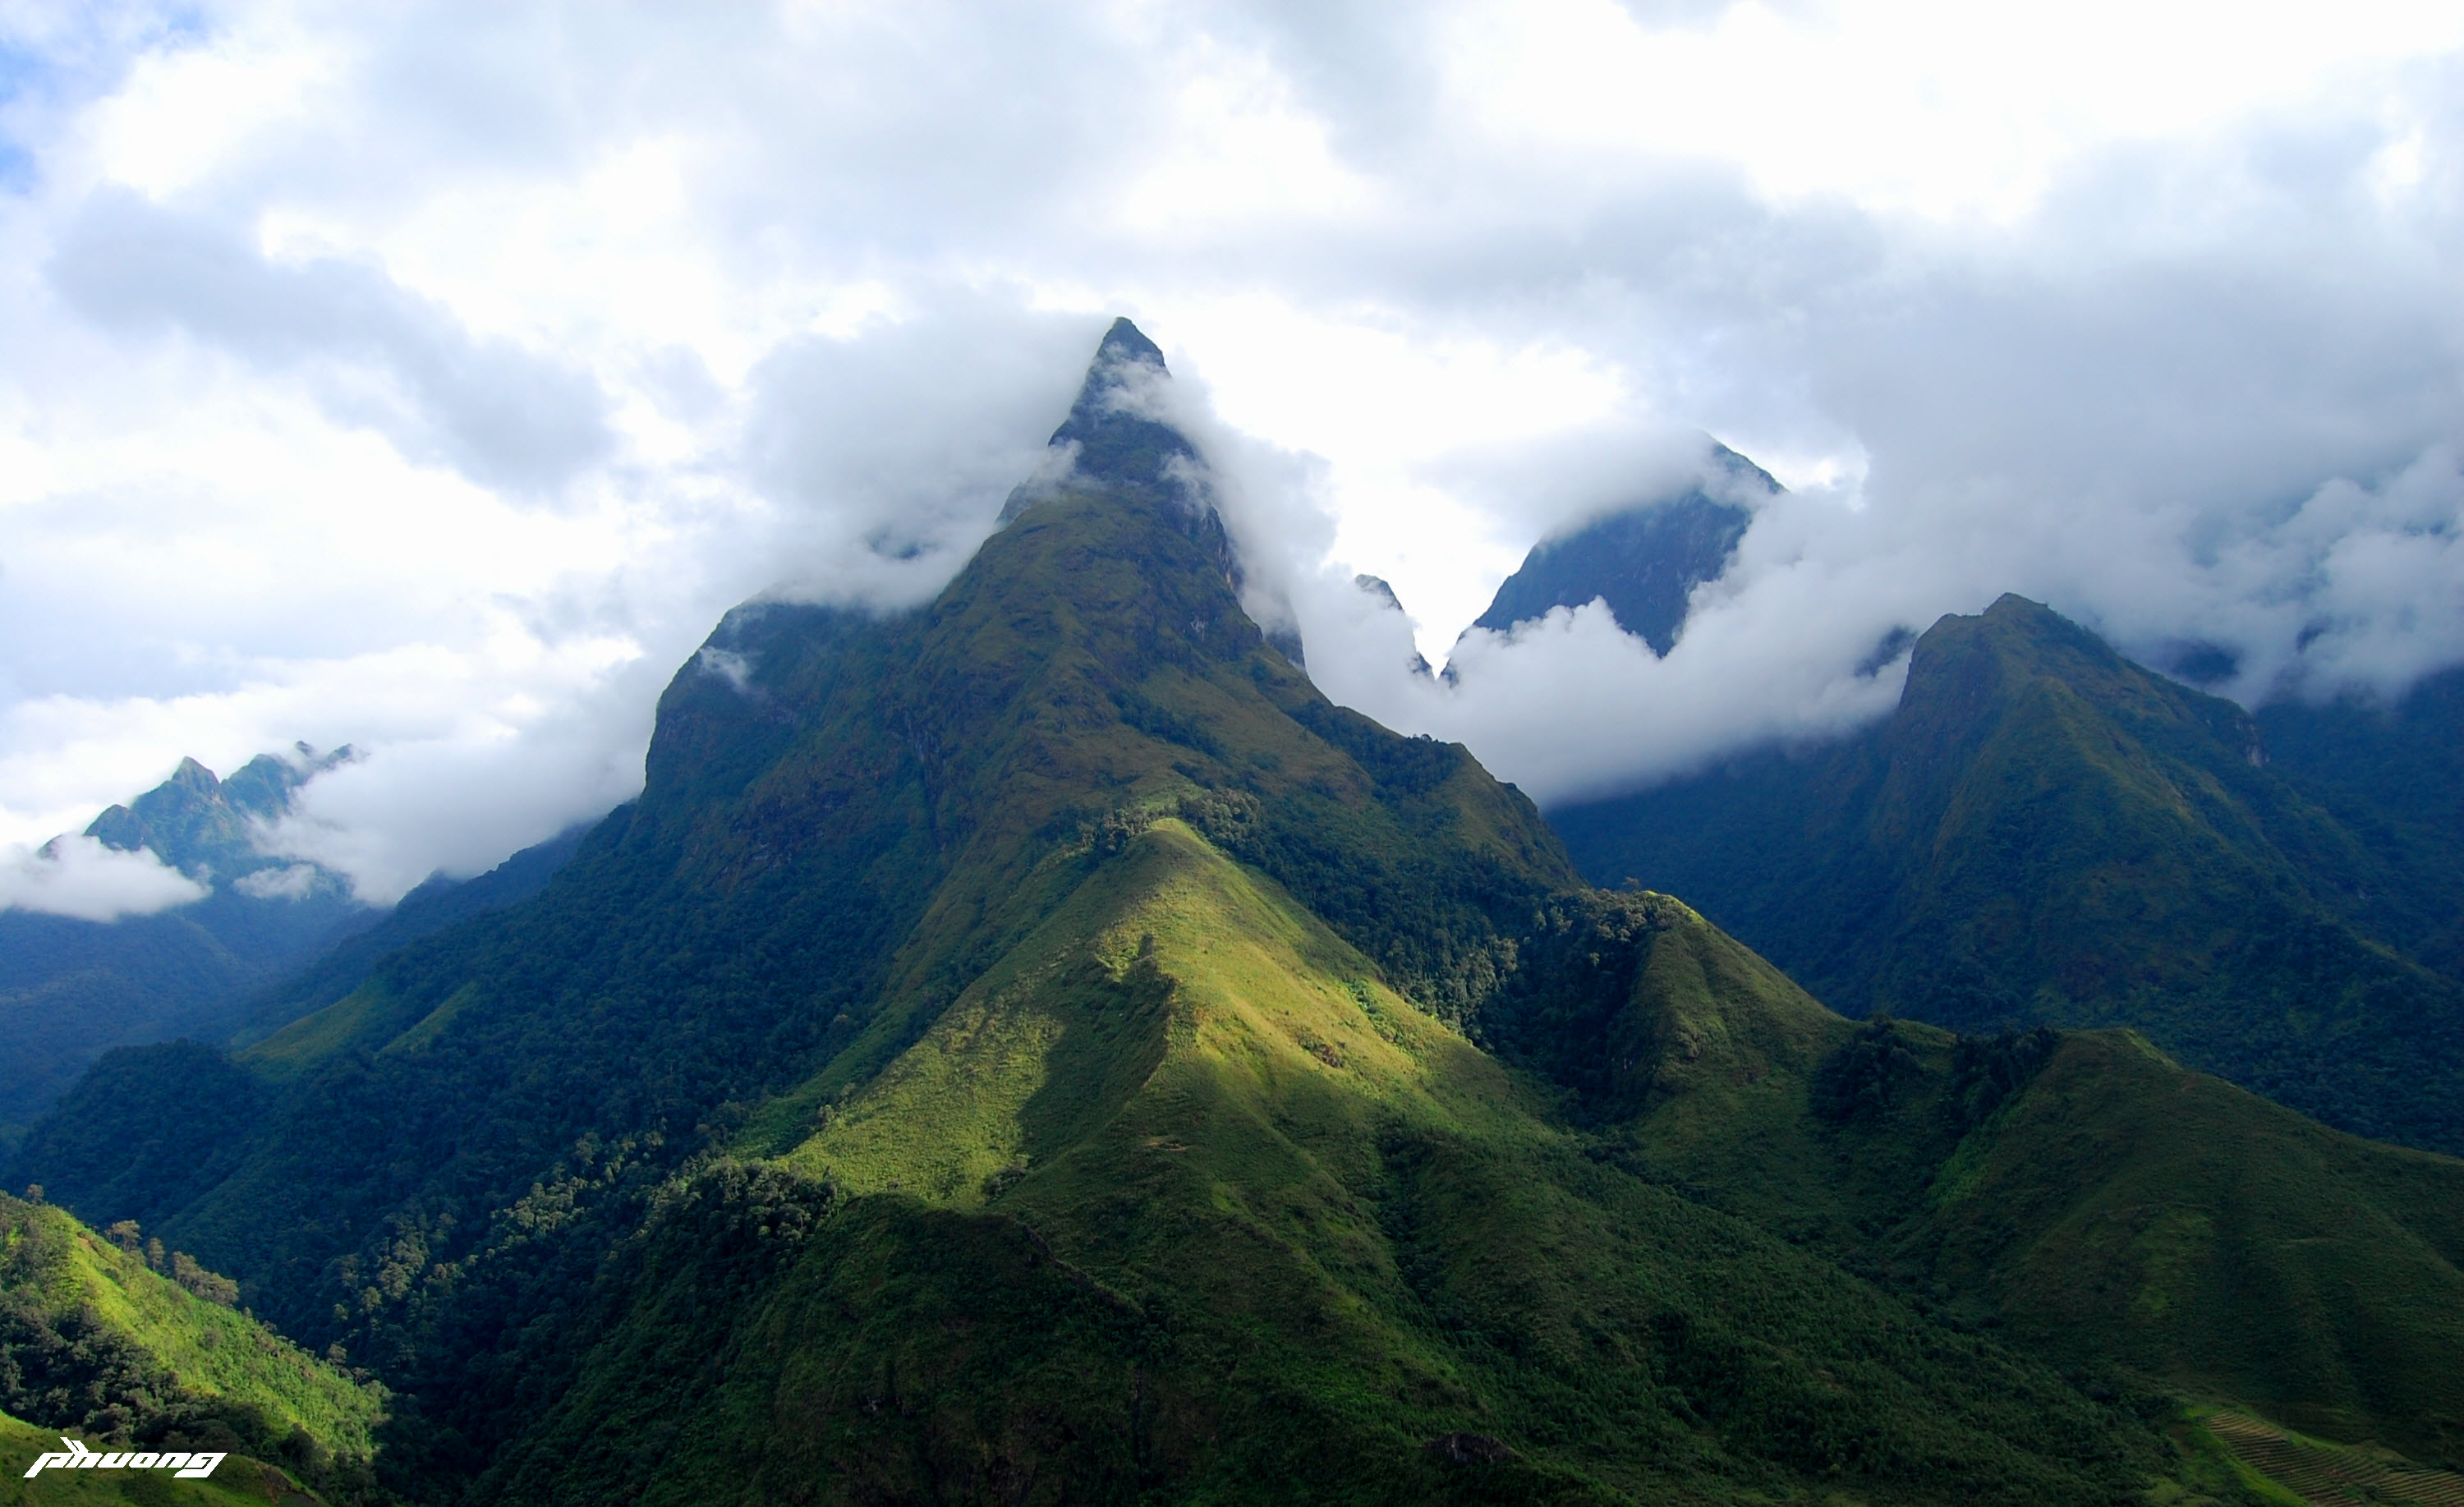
(79, 877)
(432, 379)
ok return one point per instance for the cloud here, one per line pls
(2358, 588)
(371, 352)
(887, 451)
(303, 312)
(1556, 484)
(292, 882)
(78, 876)
(459, 804)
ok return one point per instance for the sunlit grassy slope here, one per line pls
(1181, 1193)
(2079, 1195)
(237, 1480)
(1033, 1048)
(848, 818)
(62, 1276)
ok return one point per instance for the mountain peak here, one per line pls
(203, 826)
(1119, 441)
(1125, 342)
(1113, 421)
(1644, 561)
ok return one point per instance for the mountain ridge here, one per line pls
(70, 988)
(1034, 1046)
(2043, 831)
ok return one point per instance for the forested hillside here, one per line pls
(116, 1339)
(2045, 832)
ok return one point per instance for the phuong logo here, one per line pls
(78, 1457)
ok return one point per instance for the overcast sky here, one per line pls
(428, 378)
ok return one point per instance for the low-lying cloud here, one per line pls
(76, 876)
(2359, 590)
(886, 452)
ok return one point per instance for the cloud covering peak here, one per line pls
(432, 379)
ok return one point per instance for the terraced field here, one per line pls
(2330, 1474)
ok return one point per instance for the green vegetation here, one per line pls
(215, 970)
(2394, 776)
(830, 848)
(2044, 831)
(1034, 1048)
(121, 1342)
(2304, 1470)
(1180, 1195)
(2079, 1194)
(238, 1480)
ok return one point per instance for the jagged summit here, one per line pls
(1124, 345)
(1117, 450)
(1030, 1048)
(202, 825)
(1118, 441)
(1644, 560)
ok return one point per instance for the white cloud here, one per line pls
(371, 353)
(78, 876)
(305, 310)
(291, 881)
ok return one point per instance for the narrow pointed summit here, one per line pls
(1119, 439)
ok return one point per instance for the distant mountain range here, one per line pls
(1643, 561)
(71, 989)
(2046, 833)
(1034, 1047)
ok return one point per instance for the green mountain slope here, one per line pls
(2043, 831)
(2079, 1194)
(833, 842)
(1256, 1227)
(1034, 1048)
(96, 1343)
(237, 1480)
(2394, 776)
(439, 902)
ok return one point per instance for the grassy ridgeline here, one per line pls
(848, 819)
(1029, 1046)
(97, 1341)
(2043, 832)
(1180, 1195)
(2079, 1194)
